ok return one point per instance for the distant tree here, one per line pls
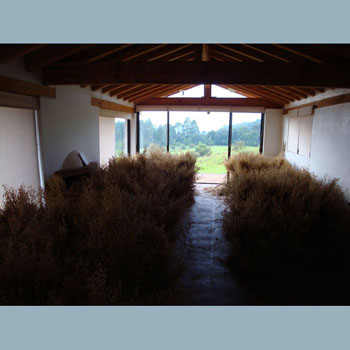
(202, 150)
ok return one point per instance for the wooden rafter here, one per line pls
(167, 52)
(298, 53)
(262, 94)
(226, 56)
(108, 52)
(126, 94)
(161, 92)
(137, 52)
(239, 52)
(111, 87)
(152, 91)
(123, 88)
(267, 53)
(12, 51)
(51, 54)
(275, 90)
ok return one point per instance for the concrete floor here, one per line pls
(204, 250)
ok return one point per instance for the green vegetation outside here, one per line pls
(213, 163)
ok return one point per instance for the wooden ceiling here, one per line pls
(57, 57)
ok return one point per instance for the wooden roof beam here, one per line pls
(22, 87)
(181, 72)
(231, 102)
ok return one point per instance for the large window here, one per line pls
(153, 130)
(245, 132)
(206, 134)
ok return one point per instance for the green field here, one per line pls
(214, 163)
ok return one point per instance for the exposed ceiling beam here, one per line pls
(22, 87)
(232, 102)
(97, 102)
(11, 51)
(51, 54)
(180, 72)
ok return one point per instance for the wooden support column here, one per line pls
(207, 91)
(262, 124)
(128, 137)
(138, 132)
(229, 136)
(168, 132)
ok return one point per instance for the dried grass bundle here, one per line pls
(105, 240)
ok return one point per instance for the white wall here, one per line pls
(330, 148)
(273, 132)
(18, 155)
(68, 123)
(107, 139)
(330, 141)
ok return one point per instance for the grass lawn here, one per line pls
(214, 164)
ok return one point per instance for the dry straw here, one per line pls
(106, 240)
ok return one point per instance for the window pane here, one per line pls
(153, 130)
(119, 136)
(245, 132)
(204, 134)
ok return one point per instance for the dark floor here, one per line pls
(204, 250)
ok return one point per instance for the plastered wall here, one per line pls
(68, 123)
(107, 139)
(18, 154)
(330, 142)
